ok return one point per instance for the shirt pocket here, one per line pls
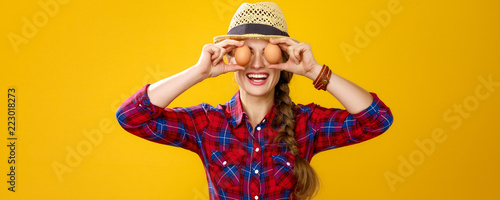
(283, 170)
(225, 168)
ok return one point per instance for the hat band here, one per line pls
(256, 29)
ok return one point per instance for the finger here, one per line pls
(303, 48)
(281, 66)
(282, 40)
(233, 68)
(230, 48)
(276, 66)
(294, 60)
(220, 55)
(214, 50)
(230, 43)
(283, 47)
(296, 53)
(291, 52)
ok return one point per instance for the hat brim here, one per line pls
(220, 38)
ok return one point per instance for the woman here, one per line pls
(259, 144)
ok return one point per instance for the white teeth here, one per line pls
(257, 75)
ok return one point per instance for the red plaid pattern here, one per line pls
(242, 163)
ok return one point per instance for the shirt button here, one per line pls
(224, 163)
(264, 120)
(257, 149)
(287, 163)
(140, 105)
(258, 128)
(256, 171)
(256, 197)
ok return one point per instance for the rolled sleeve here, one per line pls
(377, 118)
(337, 128)
(175, 127)
(137, 109)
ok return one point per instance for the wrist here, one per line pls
(198, 74)
(322, 80)
(312, 74)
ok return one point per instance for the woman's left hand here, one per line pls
(301, 60)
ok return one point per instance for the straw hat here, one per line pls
(262, 20)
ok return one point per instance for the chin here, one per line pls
(261, 91)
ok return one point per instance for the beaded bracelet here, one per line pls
(323, 78)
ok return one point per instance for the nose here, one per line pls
(258, 61)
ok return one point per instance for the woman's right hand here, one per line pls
(211, 62)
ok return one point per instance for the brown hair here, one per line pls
(307, 180)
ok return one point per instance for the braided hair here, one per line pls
(307, 180)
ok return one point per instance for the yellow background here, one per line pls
(83, 61)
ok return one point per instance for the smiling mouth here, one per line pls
(257, 77)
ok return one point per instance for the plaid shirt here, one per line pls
(240, 162)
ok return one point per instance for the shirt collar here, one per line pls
(236, 109)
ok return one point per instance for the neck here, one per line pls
(256, 107)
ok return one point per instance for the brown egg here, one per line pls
(242, 55)
(272, 53)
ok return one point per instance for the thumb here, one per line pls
(233, 68)
(280, 66)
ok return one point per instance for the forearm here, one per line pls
(354, 98)
(163, 92)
